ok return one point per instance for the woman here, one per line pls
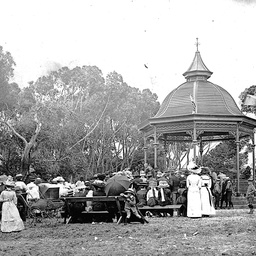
(193, 183)
(206, 194)
(11, 220)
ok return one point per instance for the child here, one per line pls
(11, 220)
(250, 195)
(130, 206)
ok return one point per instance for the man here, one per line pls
(250, 195)
(217, 193)
(174, 181)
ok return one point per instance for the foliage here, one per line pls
(89, 124)
(224, 157)
(244, 108)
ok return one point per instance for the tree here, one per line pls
(224, 156)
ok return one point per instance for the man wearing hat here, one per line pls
(251, 191)
(165, 196)
(136, 181)
(217, 193)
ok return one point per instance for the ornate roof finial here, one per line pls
(197, 44)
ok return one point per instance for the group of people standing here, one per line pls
(199, 196)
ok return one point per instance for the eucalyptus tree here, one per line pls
(69, 107)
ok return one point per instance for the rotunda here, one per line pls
(198, 111)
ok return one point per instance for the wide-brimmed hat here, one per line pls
(19, 175)
(9, 183)
(152, 183)
(101, 176)
(159, 174)
(98, 183)
(58, 179)
(192, 167)
(129, 191)
(142, 173)
(143, 184)
(163, 184)
(38, 181)
(149, 174)
(250, 179)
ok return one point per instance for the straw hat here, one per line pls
(163, 184)
(192, 167)
(9, 183)
(129, 191)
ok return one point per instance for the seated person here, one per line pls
(182, 199)
(130, 206)
(33, 191)
(142, 194)
(152, 194)
(98, 190)
(165, 196)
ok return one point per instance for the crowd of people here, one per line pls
(199, 192)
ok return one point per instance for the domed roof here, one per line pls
(198, 96)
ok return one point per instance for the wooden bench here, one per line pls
(68, 215)
(159, 208)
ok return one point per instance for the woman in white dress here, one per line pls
(10, 220)
(193, 196)
(206, 194)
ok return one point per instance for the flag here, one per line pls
(250, 100)
(193, 104)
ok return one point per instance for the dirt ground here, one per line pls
(230, 232)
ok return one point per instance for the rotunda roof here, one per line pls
(198, 96)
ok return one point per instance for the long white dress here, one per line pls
(10, 220)
(193, 196)
(206, 196)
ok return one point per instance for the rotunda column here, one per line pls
(237, 159)
(155, 148)
(194, 141)
(253, 155)
(201, 150)
(145, 150)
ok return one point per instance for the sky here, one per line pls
(151, 43)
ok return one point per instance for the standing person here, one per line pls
(250, 195)
(193, 195)
(205, 192)
(174, 181)
(217, 193)
(10, 220)
(21, 192)
(229, 193)
(80, 182)
(223, 193)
